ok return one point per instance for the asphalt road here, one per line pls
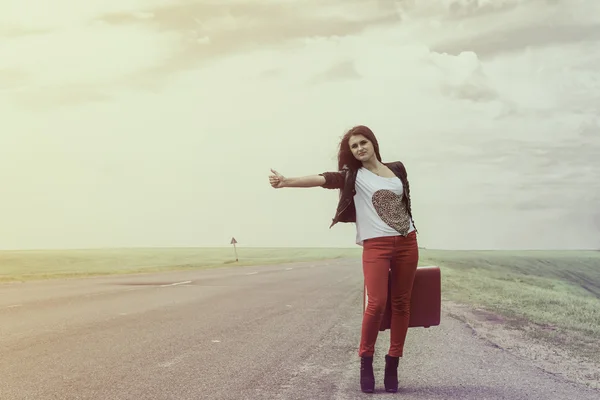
(271, 332)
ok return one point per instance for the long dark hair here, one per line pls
(345, 157)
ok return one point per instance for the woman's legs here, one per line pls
(376, 265)
(377, 254)
(404, 267)
(401, 254)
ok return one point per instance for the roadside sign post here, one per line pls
(233, 242)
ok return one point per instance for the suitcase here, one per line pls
(425, 302)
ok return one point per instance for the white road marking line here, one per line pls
(13, 306)
(172, 362)
(175, 284)
(252, 273)
(216, 341)
(287, 269)
(106, 293)
(167, 364)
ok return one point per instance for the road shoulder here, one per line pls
(550, 350)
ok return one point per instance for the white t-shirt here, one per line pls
(379, 207)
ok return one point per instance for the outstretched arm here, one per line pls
(327, 180)
(279, 181)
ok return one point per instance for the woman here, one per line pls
(376, 196)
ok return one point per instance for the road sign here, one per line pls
(233, 242)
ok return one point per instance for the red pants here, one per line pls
(401, 255)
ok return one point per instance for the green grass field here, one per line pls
(559, 290)
(553, 296)
(44, 264)
(554, 289)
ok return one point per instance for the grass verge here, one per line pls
(46, 264)
(553, 296)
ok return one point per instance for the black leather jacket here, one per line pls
(345, 181)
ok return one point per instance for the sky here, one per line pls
(127, 123)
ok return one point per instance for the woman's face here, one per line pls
(361, 147)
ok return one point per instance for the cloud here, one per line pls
(145, 46)
(344, 70)
(12, 78)
(511, 140)
(474, 87)
(97, 54)
(209, 31)
(59, 96)
(8, 32)
(506, 41)
(75, 65)
(462, 77)
(461, 9)
(491, 28)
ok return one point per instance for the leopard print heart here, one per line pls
(392, 210)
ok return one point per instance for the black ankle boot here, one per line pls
(390, 379)
(367, 379)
